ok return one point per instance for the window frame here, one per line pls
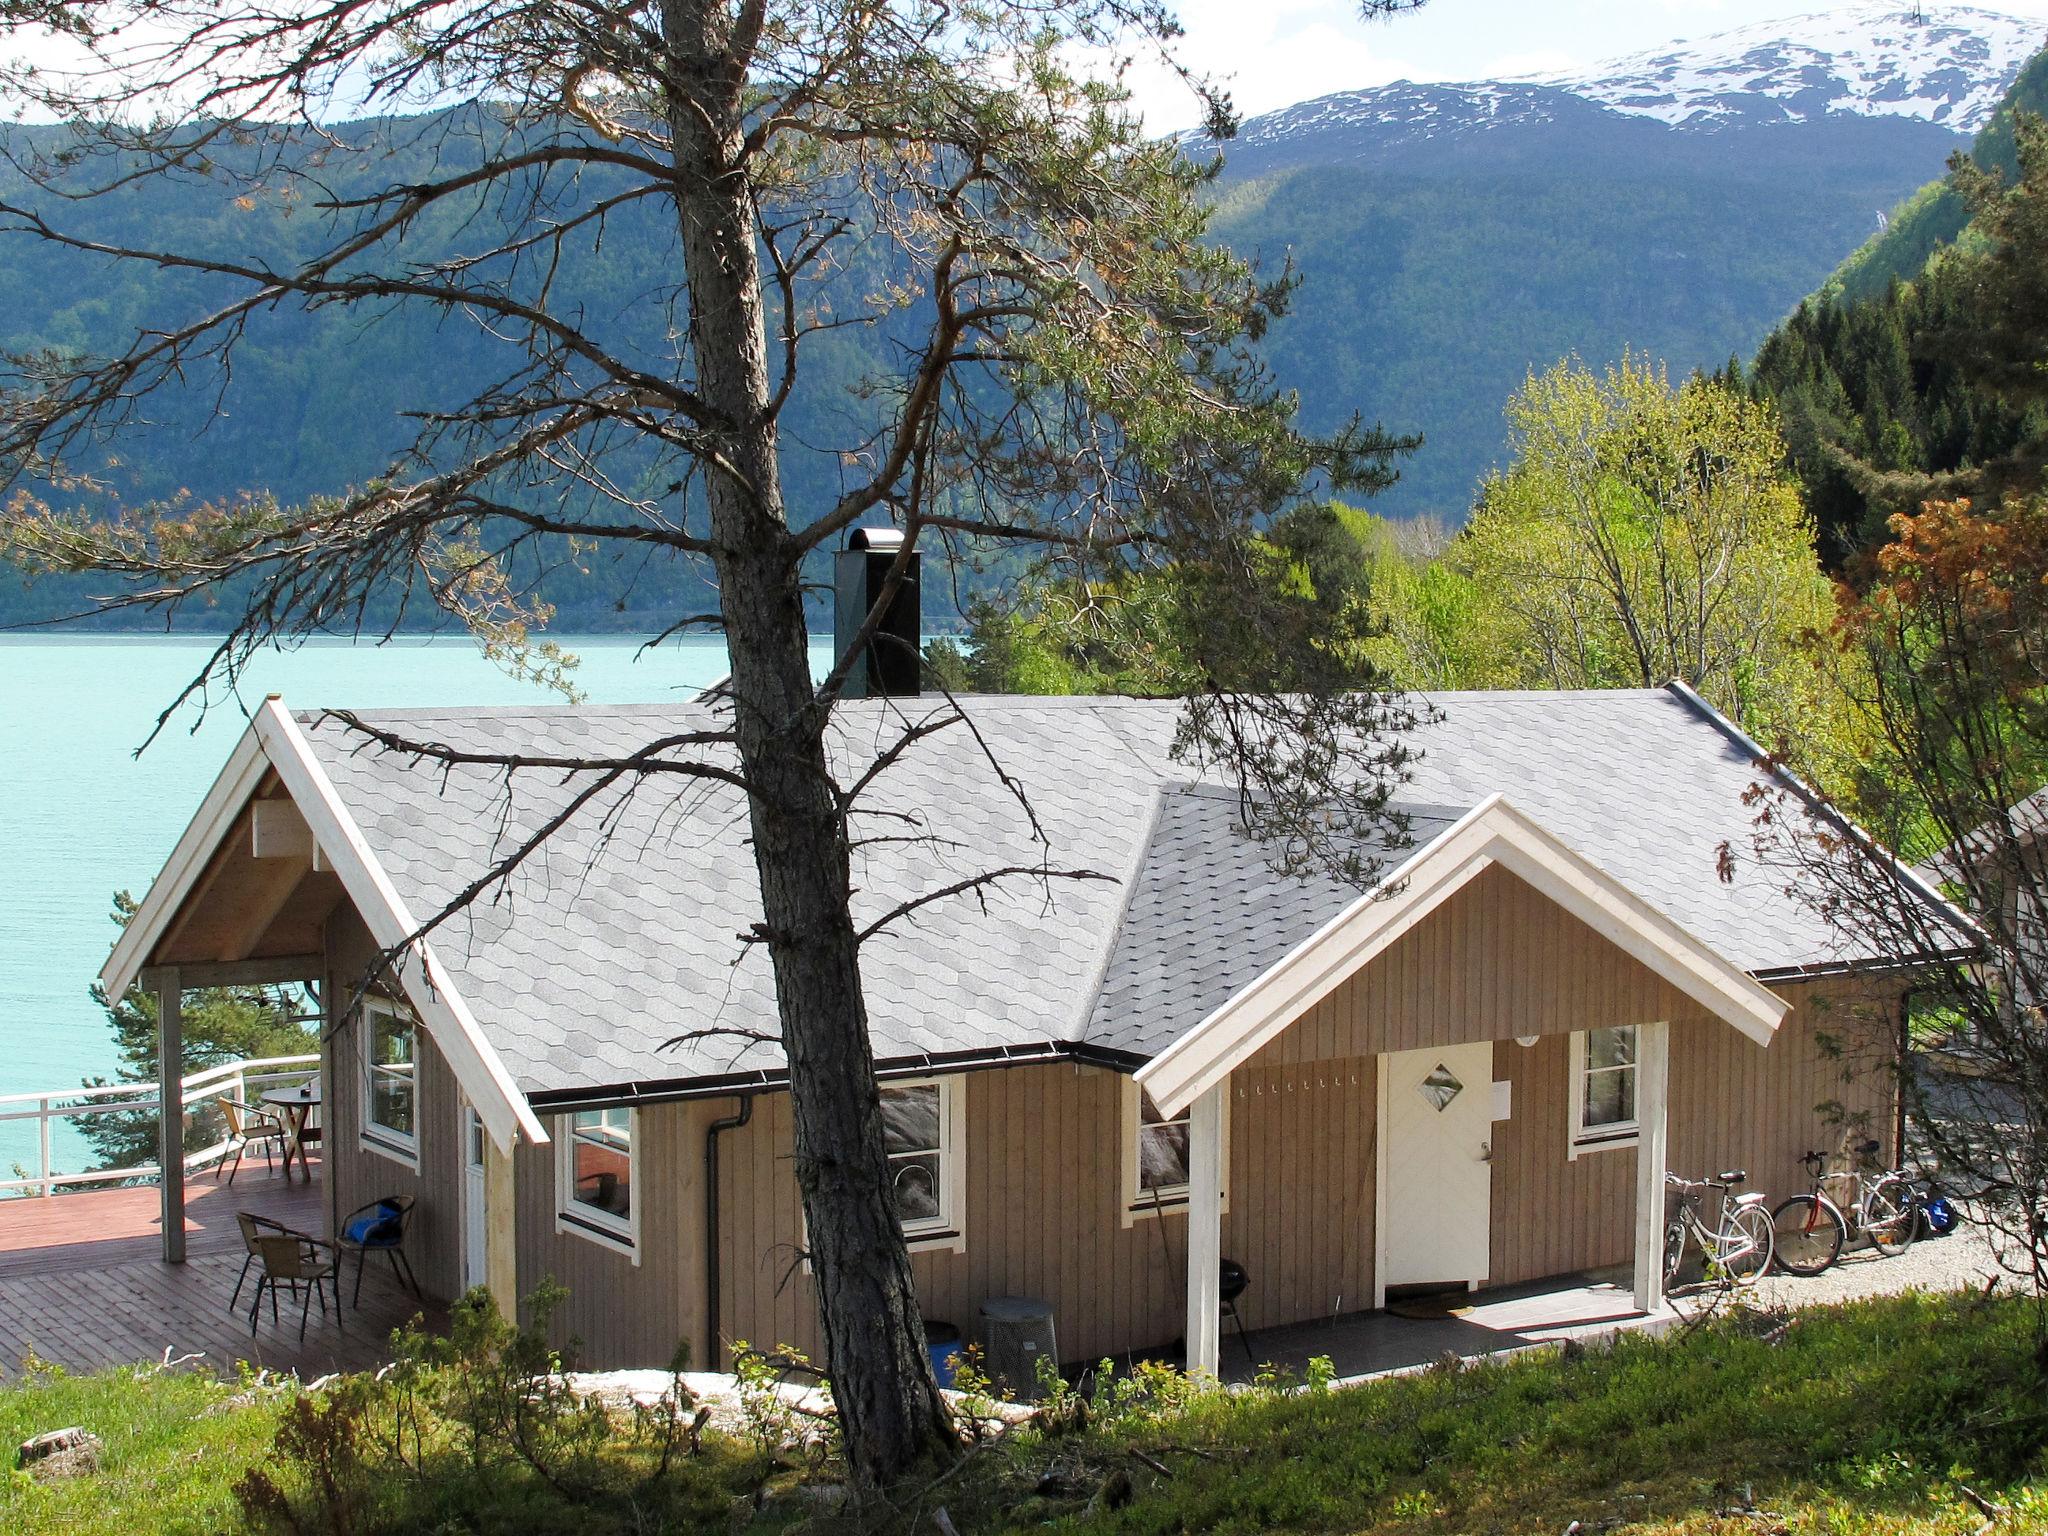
(374, 1135)
(948, 1229)
(1136, 1205)
(1583, 1138)
(621, 1234)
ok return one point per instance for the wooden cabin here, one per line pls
(1476, 1072)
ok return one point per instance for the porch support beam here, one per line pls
(282, 970)
(1205, 1230)
(1653, 1084)
(501, 1231)
(170, 1081)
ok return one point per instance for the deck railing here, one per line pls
(237, 1079)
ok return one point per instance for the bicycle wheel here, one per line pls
(1674, 1250)
(1744, 1245)
(1891, 1216)
(1807, 1234)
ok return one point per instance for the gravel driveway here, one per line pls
(1961, 1261)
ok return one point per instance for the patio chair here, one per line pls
(249, 1126)
(254, 1229)
(305, 1265)
(379, 1227)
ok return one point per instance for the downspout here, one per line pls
(711, 1298)
(1907, 1082)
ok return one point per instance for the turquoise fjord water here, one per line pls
(81, 816)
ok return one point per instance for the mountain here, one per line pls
(1452, 237)
(1868, 367)
(1935, 216)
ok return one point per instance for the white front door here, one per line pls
(474, 1223)
(1436, 1180)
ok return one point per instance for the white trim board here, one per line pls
(1492, 832)
(208, 828)
(274, 740)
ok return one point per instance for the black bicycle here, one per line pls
(1811, 1228)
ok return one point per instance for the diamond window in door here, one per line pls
(1440, 1087)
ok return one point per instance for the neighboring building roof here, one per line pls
(613, 957)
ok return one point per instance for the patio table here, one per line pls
(294, 1106)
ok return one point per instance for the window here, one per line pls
(1156, 1156)
(1603, 1068)
(390, 1081)
(1162, 1152)
(595, 1164)
(922, 1140)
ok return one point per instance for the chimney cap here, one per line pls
(878, 539)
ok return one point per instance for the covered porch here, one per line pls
(1476, 992)
(1589, 1309)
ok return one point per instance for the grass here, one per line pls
(174, 1443)
(1867, 1418)
(1870, 1418)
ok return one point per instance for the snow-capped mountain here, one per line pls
(1947, 66)
(1941, 67)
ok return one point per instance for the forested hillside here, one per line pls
(1876, 376)
(1450, 240)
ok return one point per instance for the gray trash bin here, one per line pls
(1016, 1333)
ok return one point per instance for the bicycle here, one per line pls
(1811, 1228)
(1738, 1248)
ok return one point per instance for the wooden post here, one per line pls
(1653, 1083)
(1205, 1230)
(501, 1230)
(170, 1141)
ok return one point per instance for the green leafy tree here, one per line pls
(220, 1024)
(1642, 533)
(1063, 362)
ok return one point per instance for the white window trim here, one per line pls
(946, 1231)
(1605, 1138)
(380, 1139)
(1135, 1205)
(599, 1227)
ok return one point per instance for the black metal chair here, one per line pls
(304, 1265)
(379, 1227)
(1234, 1281)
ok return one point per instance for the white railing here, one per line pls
(230, 1080)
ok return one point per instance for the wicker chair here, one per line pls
(304, 1265)
(249, 1126)
(254, 1230)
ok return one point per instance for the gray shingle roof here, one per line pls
(623, 932)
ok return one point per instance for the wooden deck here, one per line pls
(83, 1284)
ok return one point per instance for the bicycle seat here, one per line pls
(1867, 1149)
(1735, 1176)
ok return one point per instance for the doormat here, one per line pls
(1427, 1309)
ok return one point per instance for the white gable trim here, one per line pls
(1493, 832)
(209, 827)
(477, 1067)
(274, 740)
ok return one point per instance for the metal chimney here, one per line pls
(894, 663)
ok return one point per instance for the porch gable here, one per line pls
(1493, 835)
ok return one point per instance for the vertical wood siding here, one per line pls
(1735, 1104)
(355, 1174)
(1044, 1152)
(624, 1313)
(1496, 960)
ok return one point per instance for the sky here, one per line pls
(1276, 52)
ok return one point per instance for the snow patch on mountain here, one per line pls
(1948, 66)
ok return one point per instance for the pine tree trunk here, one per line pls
(891, 1415)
